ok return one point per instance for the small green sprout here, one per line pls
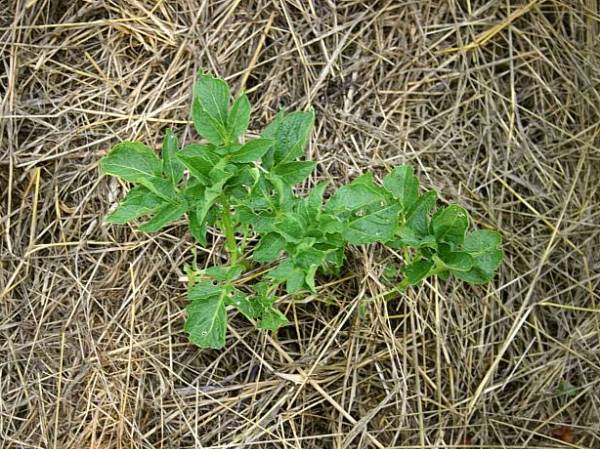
(246, 189)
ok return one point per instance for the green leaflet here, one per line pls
(162, 188)
(417, 271)
(269, 248)
(289, 133)
(306, 255)
(453, 260)
(287, 272)
(263, 308)
(199, 160)
(243, 303)
(450, 224)
(209, 109)
(167, 214)
(206, 321)
(294, 172)
(224, 273)
(213, 94)
(408, 237)
(482, 241)
(251, 151)
(418, 217)
(271, 319)
(403, 185)
(484, 247)
(172, 168)
(359, 193)
(206, 126)
(198, 226)
(238, 118)
(134, 162)
(138, 202)
(131, 161)
(291, 227)
(376, 226)
(222, 172)
(248, 195)
(313, 202)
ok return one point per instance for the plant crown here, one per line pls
(247, 191)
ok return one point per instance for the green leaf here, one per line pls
(289, 134)
(310, 207)
(482, 241)
(294, 172)
(403, 185)
(330, 224)
(222, 172)
(206, 322)
(239, 117)
(314, 200)
(199, 160)
(272, 319)
(206, 150)
(309, 278)
(197, 227)
(334, 261)
(283, 191)
(443, 275)
(418, 216)
(242, 303)
(204, 290)
(194, 192)
(291, 228)
(290, 274)
(484, 247)
(165, 215)
(270, 132)
(262, 221)
(418, 270)
(211, 195)
(251, 151)
(408, 237)
(450, 224)
(209, 108)
(376, 226)
(269, 248)
(213, 94)
(454, 260)
(359, 193)
(242, 184)
(138, 201)
(162, 188)
(131, 161)
(566, 388)
(171, 166)
(307, 256)
(207, 126)
(219, 273)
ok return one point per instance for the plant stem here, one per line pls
(230, 243)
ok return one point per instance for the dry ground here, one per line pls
(495, 103)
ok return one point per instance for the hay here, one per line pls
(496, 105)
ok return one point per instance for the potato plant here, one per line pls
(245, 189)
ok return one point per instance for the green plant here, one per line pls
(247, 191)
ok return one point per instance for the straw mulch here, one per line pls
(496, 104)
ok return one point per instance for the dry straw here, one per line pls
(496, 104)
